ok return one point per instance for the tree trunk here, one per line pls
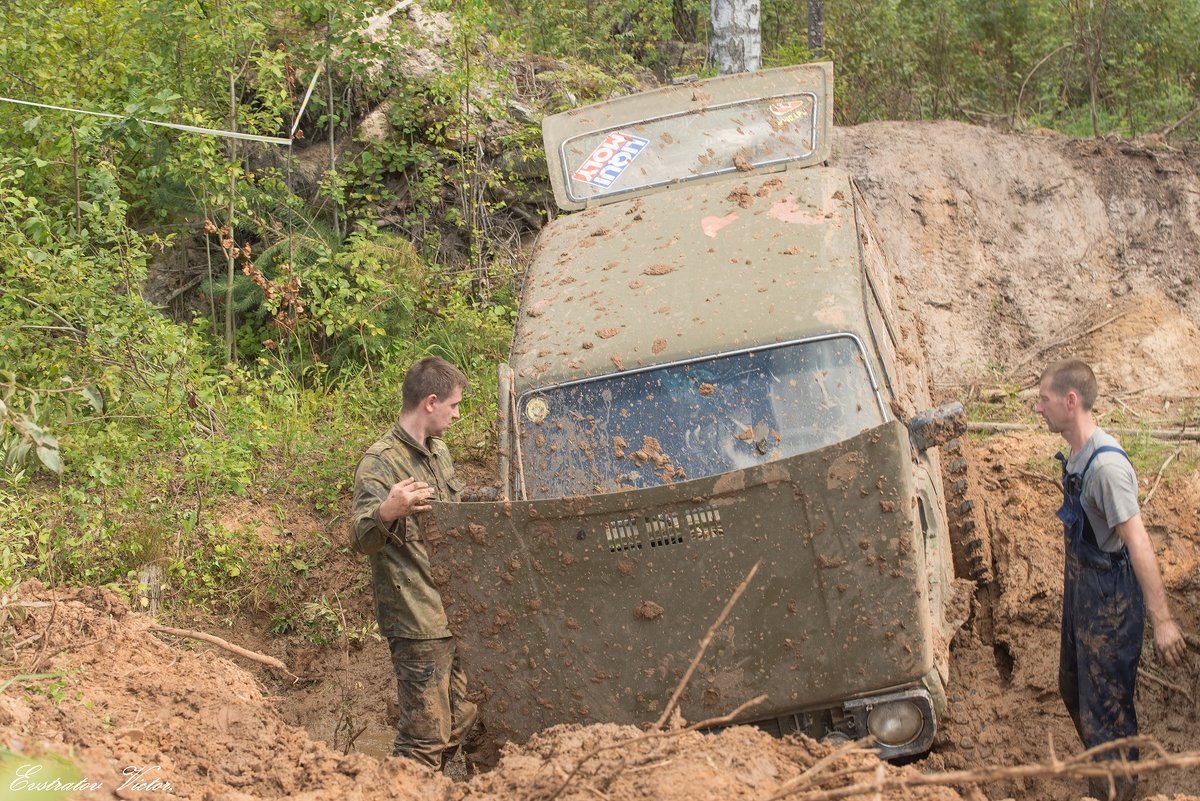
(816, 28)
(737, 38)
(684, 21)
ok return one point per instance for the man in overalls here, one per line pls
(1111, 576)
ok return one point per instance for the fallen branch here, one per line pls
(192, 284)
(1145, 674)
(656, 731)
(1170, 129)
(254, 656)
(1038, 476)
(1154, 433)
(733, 599)
(1158, 478)
(806, 778)
(1080, 766)
(37, 660)
(1033, 354)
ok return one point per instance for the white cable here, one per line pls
(307, 95)
(271, 140)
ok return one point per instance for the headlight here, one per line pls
(895, 723)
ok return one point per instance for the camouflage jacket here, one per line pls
(407, 604)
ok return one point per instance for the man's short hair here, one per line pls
(1072, 374)
(433, 375)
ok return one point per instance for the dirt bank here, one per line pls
(1016, 243)
(113, 700)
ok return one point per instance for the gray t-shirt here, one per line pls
(1110, 489)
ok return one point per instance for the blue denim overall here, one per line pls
(1103, 619)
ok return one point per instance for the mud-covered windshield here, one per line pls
(699, 418)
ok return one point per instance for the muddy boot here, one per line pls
(454, 764)
(480, 749)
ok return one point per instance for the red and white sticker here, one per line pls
(610, 159)
(788, 111)
(781, 108)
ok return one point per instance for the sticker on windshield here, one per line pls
(610, 159)
(790, 110)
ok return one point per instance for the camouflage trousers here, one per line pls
(435, 715)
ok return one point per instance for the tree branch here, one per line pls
(733, 599)
(254, 656)
(1082, 765)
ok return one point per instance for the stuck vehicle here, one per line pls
(710, 370)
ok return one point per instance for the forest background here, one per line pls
(191, 322)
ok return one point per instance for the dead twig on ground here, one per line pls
(45, 635)
(1191, 639)
(254, 656)
(879, 774)
(1058, 343)
(1038, 476)
(1145, 674)
(813, 772)
(18, 646)
(1158, 478)
(1170, 129)
(733, 599)
(1080, 766)
(1126, 407)
(656, 730)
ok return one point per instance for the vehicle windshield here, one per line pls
(699, 418)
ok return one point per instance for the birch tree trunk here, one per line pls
(736, 44)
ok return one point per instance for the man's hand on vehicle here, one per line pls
(406, 497)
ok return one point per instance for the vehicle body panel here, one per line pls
(589, 609)
(670, 277)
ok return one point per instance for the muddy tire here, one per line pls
(970, 538)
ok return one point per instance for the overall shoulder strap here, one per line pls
(1100, 450)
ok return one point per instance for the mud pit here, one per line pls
(1015, 250)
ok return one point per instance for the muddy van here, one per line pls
(710, 370)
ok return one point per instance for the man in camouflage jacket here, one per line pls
(395, 480)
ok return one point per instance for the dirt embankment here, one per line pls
(139, 718)
(1015, 243)
(1015, 250)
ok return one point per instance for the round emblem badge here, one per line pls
(537, 409)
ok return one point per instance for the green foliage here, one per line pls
(152, 432)
(1015, 61)
(617, 34)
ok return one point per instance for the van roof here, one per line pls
(771, 120)
(701, 270)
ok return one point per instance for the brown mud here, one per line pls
(1014, 249)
